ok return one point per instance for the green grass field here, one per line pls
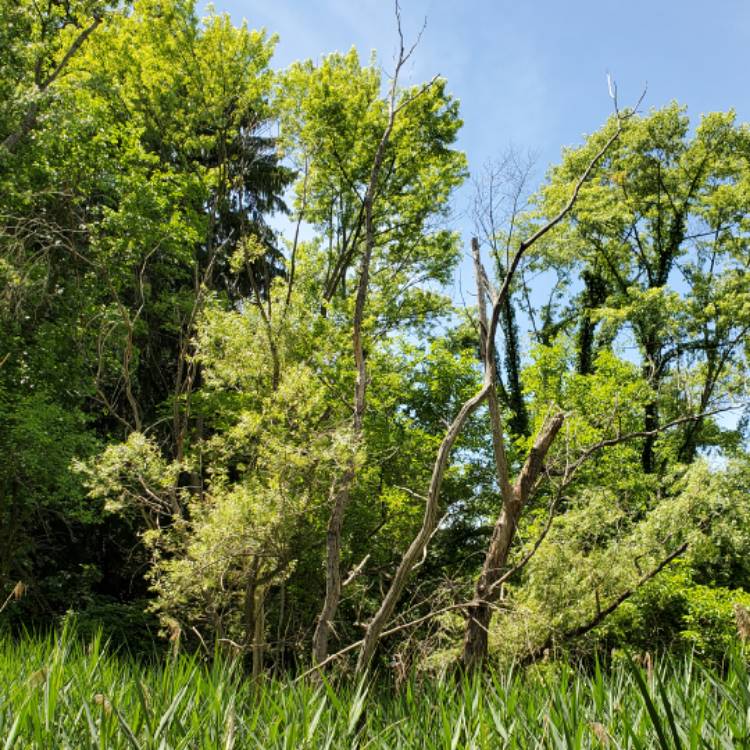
(61, 693)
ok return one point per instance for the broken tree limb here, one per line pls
(477, 625)
(430, 519)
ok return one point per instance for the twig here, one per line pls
(355, 571)
(16, 593)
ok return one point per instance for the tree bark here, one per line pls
(340, 499)
(480, 612)
(519, 420)
(594, 295)
(419, 545)
(254, 616)
(259, 632)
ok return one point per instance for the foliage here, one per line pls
(606, 541)
(177, 367)
(119, 204)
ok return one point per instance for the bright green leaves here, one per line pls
(332, 119)
(149, 307)
(133, 478)
(273, 441)
(142, 165)
(189, 84)
(604, 543)
(662, 230)
(38, 45)
(614, 394)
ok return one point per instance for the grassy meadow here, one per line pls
(60, 692)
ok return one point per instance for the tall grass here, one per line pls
(61, 693)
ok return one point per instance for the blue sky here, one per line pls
(533, 74)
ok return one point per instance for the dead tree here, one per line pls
(499, 201)
(565, 477)
(418, 548)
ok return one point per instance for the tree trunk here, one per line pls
(652, 372)
(254, 617)
(419, 544)
(480, 612)
(594, 295)
(341, 499)
(650, 425)
(333, 568)
(519, 420)
(250, 612)
(259, 632)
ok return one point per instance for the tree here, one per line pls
(278, 440)
(374, 206)
(660, 239)
(528, 477)
(653, 257)
(120, 212)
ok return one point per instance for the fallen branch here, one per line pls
(538, 543)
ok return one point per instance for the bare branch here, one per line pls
(537, 543)
(552, 223)
(625, 437)
(355, 571)
(533, 467)
(609, 609)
